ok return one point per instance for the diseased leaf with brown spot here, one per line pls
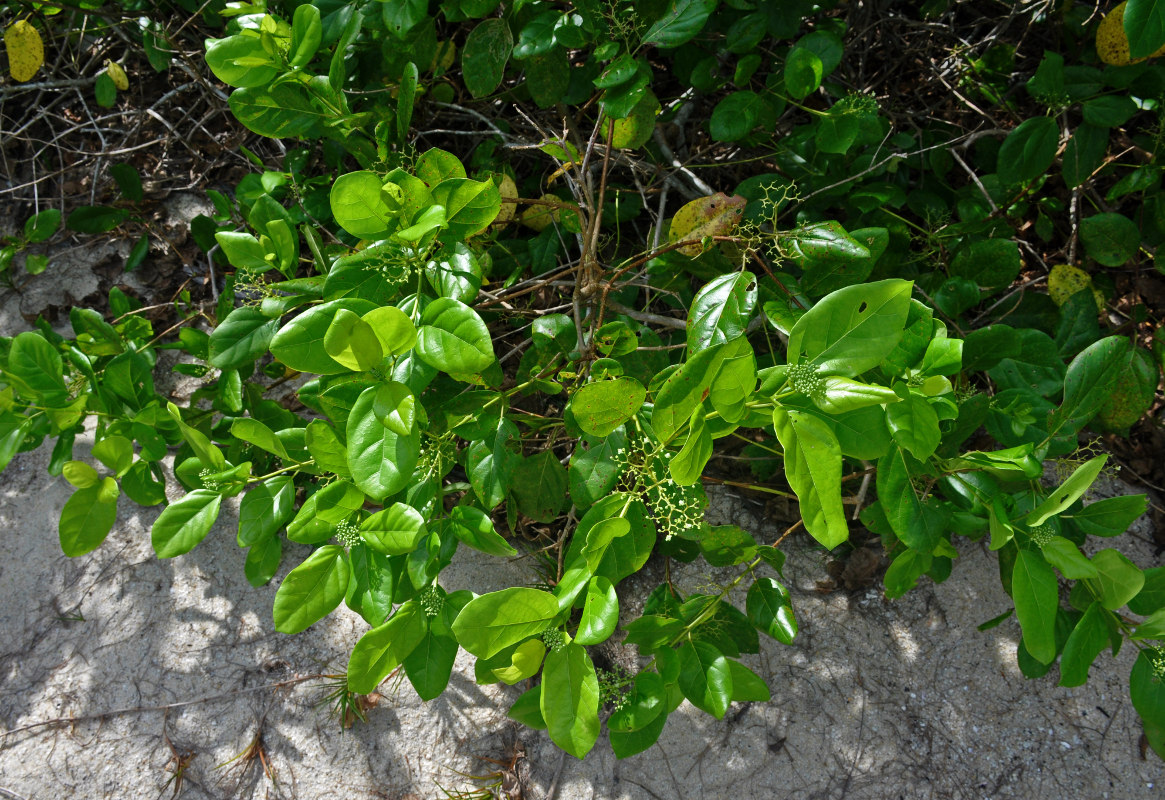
(715, 215)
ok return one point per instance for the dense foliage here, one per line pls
(507, 305)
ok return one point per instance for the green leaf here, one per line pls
(184, 524)
(914, 424)
(87, 517)
(539, 486)
(265, 509)
(1084, 154)
(687, 387)
(80, 474)
(705, 677)
(430, 664)
(803, 72)
(358, 207)
(681, 21)
(474, 527)
(1037, 598)
(39, 227)
(352, 342)
(1111, 516)
(96, 219)
(1152, 628)
(383, 649)
(483, 59)
(300, 343)
(1068, 492)
(453, 338)
(1147, 691)
(735, 116)
(852, 329)
(991, 263)
(242, 337)
(646, 701)
(381, 461)
(36, 365)
(721, 310)
(904, 572)
(1144, 25)
(602, 407)
(1088, 381)
(436, 166)
(769, 608)
(920, 525)
(492, 622)
(278, 110)
(306, 34)
(470, 206)
(527, 709)
(1066, 557)
(1084, 644)
(491, 463)
(1028, 151)
(312, 590)
(1120, 580)
(570, 699)
(600, 612)
(688, 464)
(263, 561)
(813, 469)
(255, 432)
(395, 531)
(747, 686)
(115, 452)
(1111, 239)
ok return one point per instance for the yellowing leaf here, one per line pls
(1066, 280)
(1112, 45)
(25, 50)
(715, 215)
(120, 79)
(636, 128)
(509, 191)
(539, 217)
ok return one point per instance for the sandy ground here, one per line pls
(876, 699)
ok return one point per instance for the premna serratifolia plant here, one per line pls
(488, 343)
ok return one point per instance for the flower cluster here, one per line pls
(553, 639)
(643, 471)
(1041, 535)
(348, 534)
(207, 481)
(804, 379)
(431, 600)
(613, 690)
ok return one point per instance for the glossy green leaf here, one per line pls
(1037, 597)
(1068, 492)
(396, 530)
(492, 622)
(470, 206)
(255, 432)
(747, 686)
(380, 460)
(688, 464)
(705, 677)
(1066, 557)
(570, 699)
(352, 342)
(384, 648)
(803, 72)
(1111, 516)
(990, 263)
(430, 664)
(770, 610)
(320, 514)
(813, 469)
(918, 523)
(241, 338)
(278, 110)
(852, 329)
(539, 486)
(914, 424)
(87, 517)
(600, 612)
(1087, 640)
(36, 367)
(1119, 581)
(473, 527)
(491, 463)
(602, 407)
(645, 702)
(1144, 25)
(185, 523)
(312, 590)
(453, 338)
(1088, 381)
(721, 310)
(300, 343)
(265, 509)
(262, 561)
